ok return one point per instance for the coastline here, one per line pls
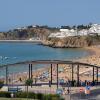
(90, 59)
(94, 57)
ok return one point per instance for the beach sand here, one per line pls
(94, 57)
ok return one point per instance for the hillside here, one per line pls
(41, 32)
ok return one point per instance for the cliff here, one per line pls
(41, 32)
(44, 32)
(72, 42)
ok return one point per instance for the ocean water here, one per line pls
(17, 52)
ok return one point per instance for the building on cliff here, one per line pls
(94, 29)
(64, 33)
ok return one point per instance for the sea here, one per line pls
(14, 52)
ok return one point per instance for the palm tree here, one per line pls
(28, 82)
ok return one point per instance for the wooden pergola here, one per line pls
(57, 62)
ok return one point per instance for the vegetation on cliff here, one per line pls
(38, 31)
(79, 27)
(41, 32)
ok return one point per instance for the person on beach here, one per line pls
(20, 79)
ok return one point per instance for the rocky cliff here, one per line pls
(72, 42)
(41, 32)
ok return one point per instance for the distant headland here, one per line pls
(65, 36)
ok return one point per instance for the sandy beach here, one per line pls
(94, 57)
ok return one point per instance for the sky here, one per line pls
(55, 13)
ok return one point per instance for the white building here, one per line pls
(95, 28)
(64, 33)
(21, 28)
(58, 35)
(83, 32)
(64, 30)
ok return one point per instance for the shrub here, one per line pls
(29, 82)
(1, 83)
(21, 95)
(32, 95)
(5, 94)
(40, 96)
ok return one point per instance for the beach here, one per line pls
(43, 75)
(86, 73)
(65, 72)
(94, 58)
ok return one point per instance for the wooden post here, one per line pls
(29, 71)
(57, 76)
(97, 75)
(93, 75)
(72, 74)
(78, 75)
(51, 73)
